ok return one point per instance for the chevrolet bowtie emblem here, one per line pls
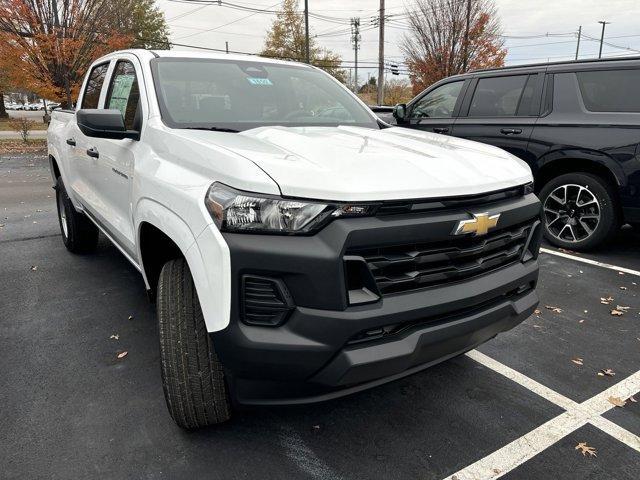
(480, 224)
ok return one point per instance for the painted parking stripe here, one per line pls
(577, 415)
(590, 262)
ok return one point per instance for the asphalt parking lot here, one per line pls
(517, 408)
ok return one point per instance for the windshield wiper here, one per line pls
(213, 129)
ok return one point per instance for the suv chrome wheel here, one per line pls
(571, 213)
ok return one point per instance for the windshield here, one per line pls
(239, 95)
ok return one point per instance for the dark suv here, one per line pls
(577, 124)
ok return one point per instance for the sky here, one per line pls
(534, 31)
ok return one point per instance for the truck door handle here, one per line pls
(71, 141)
(511, 131)
(93, 152)
(440, 130)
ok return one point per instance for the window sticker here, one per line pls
(259, 81)
(120, 92)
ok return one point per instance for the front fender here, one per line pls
(209, 259)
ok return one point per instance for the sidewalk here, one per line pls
(16, 136)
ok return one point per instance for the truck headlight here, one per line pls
(236, 211)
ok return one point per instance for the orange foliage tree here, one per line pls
(448, 37)
(47, 45)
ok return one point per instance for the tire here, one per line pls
(587, 218)
(78, 233)
(192, 375)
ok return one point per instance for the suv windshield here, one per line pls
(239, 95)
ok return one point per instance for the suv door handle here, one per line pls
(511, 131)
(93, 152)
(440, 130)
(71, 141)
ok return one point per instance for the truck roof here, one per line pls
(148, 54)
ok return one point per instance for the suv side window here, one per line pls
(94, 86)
(610, 90)
(438, 103)
(497, 96)
(124, 93)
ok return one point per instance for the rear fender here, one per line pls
(585, 155)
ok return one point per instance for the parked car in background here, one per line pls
(577, 124)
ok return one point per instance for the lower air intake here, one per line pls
(265, 301)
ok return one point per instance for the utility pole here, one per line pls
(578, 45)
(306, 30)
(380, 99)
(226, 46)
(355, 38)
(604, 24)
(465, 58)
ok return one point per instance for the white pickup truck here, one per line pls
(298, 248)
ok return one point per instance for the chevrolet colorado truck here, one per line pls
(297, 247)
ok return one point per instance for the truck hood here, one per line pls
(361, 164)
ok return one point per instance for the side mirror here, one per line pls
(400, 112)
(104, 124)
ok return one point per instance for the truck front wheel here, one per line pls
(192, 375)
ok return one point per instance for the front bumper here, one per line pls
(320, 352)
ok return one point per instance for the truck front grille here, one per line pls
(400, 268)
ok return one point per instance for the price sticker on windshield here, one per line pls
(259, 81)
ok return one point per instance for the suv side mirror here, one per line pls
(104, 124)
(400, 112)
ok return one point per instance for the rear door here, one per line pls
(81, 165)
(502, 110)
(435, 110)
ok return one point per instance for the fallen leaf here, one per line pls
(122, 354)
(34, 268)
(577, 361)
(316, 427)
(607, 371)
(616, 313)
(606, 301)
(553, 309)
(130, 317)
(497, 471)
(621, 308)
(584, 448)
(115, 337)
(620, 273)
(617, 401)
(540, 326)
(623, 288)
(581, 321)
(537, 310)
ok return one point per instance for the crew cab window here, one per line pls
(497, 96)
(610, 90)
(91, 95)
(124, 93)
(438, 103)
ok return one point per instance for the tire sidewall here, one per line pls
(608, 215)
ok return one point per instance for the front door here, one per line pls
(116, 158)
(434, 111)
(502, 111)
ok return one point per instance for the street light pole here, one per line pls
(306, 29)
(578, 45)
(380, 99)
(604, 24)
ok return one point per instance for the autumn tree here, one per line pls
(51, 43)
(286, 40)
(448, 37)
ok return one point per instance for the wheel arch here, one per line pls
(576, 162)
(161, 236)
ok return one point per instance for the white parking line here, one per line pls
(529, 445)
(590, 262)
